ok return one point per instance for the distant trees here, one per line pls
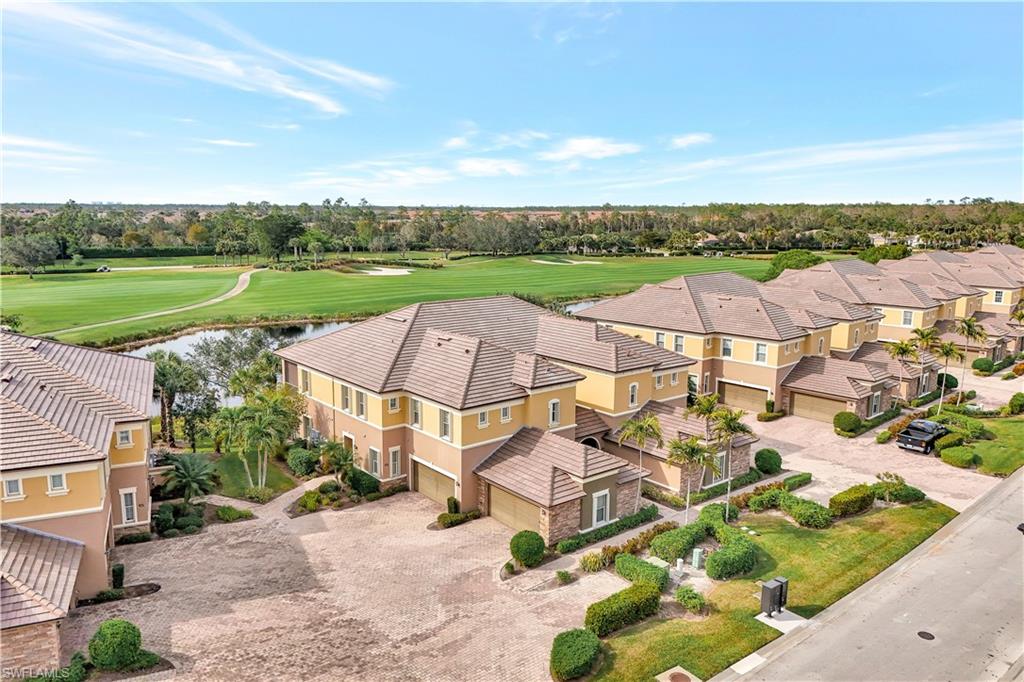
(794, 259)
(275, 232)
(30, 251)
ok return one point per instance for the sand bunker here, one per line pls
(567, 262)
(386, 272)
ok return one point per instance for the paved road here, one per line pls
(964, 586)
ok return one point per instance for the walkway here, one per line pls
(240, 286)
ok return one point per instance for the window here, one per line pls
(722, 473)
(393, 405)
(506, 414)
(761, 352)
(12, 488)
(707, 382)
(726, 348)
(923, 388)
(482, 419)
(908, 318)
(997, 296)
(307, 426)
(128, 506)
(445, 424)
(708, 341)
(659, 338)
(659, 381)
(554, 412)
(304, 378)
(673, 378)
(373, 460)
(876, 403)
(57, 483)
(124, 438)
(821, 346)
(601, 504)
(360, 404)
(395, 455)
(415, 409)
(679, 343)
(878, 310)
(634, 394)
(346, 399)
(856, 336)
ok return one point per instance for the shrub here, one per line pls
(564, 577)
(108, 595)
(645, 515)
(659, 494)
(796, 481)
(636, 570)
(573, 654)
(960, 456)
(258, 494)
(75, 671)
(228, 514)
(510, 568)
(363, 483)
(950, 440)
(984, 365)
(949, 380)
(846, 421)
(752, 476)
(623, 608)
(769, 416)
(970, 428)
(926, 398)
(737, 554)
(884, 436)
(806, 512)
(135, 538)
(768, 461)
(741, 500)
(116, 645)
(676, 544)
(302, 462)
(393, 490)
(186, 521)
(171, 533)
(904, 494)
(766, 500)
(690, 599)
(191, 530)
(446, 520)
(310, 501)
(117, 576)
(453, 505)
(527, 548)
(971, 394)
(1016, 403)
(1018, 369)
(164, 518)
(852, 500)
(328, 487)
(591, 562)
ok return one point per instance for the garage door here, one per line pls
(813, 407)
(743, 397)
(434, 484)
(514, 512)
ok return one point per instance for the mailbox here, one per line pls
(771, 597)
(784, 592)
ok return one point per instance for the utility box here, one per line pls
(771, 597)
(698, 558)
(784, 595)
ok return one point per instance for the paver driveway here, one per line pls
(366, 593)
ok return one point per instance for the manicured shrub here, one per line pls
(852, 501)
(983, 365)
(961, 456)
(453, 505)
(1016, 403)
(766, 500)
(796, 481)
(949, 380)
(971, 428)
(714, 513)
(527, 548)
(846, 421)
(950, 440)
(736, 555)
(769, 416)
(645, 515)
(510, 568)
(117, 576)
(741, 500)
(573, 654)
(691, 600)
(328, 487)
(310, 501)
(302, 462)
(260, 495)
(636, 570)
(883, 436)
(676, 544)
(591, 562)
(971, 394)
(171, 533)
(806, 512)
(228, 514)
(564, 577)
(393, 490)
(75, 671)
(116, 645)
(135, 538)
(191, 530)
(108, 595)
(907, 494)
(446, 520)
(363, 483)
(186, 521)
(768, 461)
(623, 608)
(752, 476)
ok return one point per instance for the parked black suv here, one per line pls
(920, 435)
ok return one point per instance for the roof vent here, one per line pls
(34, 343)
(6, 378)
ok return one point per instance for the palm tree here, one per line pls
(171, 374)
(192, 475)
(968, 328)
(727, 425)
(641, 429)
(704, 406)
(338, 458)
(900, 351)
(262, 437)
(924, 340)
(228, 428)
(689, 454)
(948, 351)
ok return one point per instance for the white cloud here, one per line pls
(281, 126)
(32, 152)
(521, 138)
(484, 167)
(39, 143)
(185, 120)
(690, 139)
(378, 178)
(457, 142)
(224, 142)
(589, 148)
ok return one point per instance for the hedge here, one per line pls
(676, 544)
(950, 380)
(645, 515)
(636, 570)
(229, 514)
(950, 440)
(868, 424)
(573, 654)
(905, 494)
(852, 501)
(960, 456)
(117, 576)
(796, 481)
(768, 461)
(381, 494)
(136, 538)
(1016, 403)
(622, 609)
(805, 512)
(363, 483)
(883, 436)
(302, 462)
(447, 520)
(736, 555)
(983, 365)
(926, 398)
(146, 252)
(527, 548)
(752, 476)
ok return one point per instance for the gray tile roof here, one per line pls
(857, 282)
(995, 330)
(875, 353)
(675, 422)
(967, 269)
(37, 575)
(837, 378)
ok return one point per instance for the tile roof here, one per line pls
(835, 377)
(675, 422)
(995, 330)
(545, 468)
(37, 575)
(875, 353)
(589, 423)
(964, 268)
(49, 414)
(857, 282)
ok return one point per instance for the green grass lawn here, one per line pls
(1005, 454)
(822, 566)
(233, 481)
(52, 302)
(297, 294)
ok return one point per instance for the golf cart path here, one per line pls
(241, 285)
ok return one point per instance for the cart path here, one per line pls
(241, 285)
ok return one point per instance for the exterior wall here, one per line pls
(768, 378)
(30, 650)
(627, 495)
(848, 336)
(892, 328)
(536, 411)
(586, 517)
(662, 473)
(472, 432)
(93, 530)
(122, 478)
(1010, 299)
(560, 522)
(670, 390)
(135, 452)
(609, 393)
(86, 489)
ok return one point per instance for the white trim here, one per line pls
(739, 382)
(560, 428)
(501, 416)
(56, 515)
(431, 465)
(659, 381)
(130, 464)
(610, 521)
(398, 404)
(440, 425)
(554, 405)
(56, 492)
(121, 492)
(20, 495)
(620, 375)
(43, 470)
(117, 439)
(553, 387)
(369, 460)
(487, 419)
(761, 362)
(391, 461)
(630, 399)
(607, 507)
(721, 347)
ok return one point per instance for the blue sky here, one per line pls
(514, 104)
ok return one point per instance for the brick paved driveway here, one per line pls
(366, 593)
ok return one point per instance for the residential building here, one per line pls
(917, 376)
(994, 271)
(73, 468)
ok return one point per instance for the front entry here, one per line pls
(434, 484)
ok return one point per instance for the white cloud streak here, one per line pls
(457, 142)
(19, 151)
(589, 148)
(225, 142)
(690, 139)
(486, 167)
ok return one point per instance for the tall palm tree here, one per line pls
(691, 454)
(727, 425)
(948, 351)
(170, 375)
(968, 328)
(924, 340)
(704, 406)
(228, 428)
(262, 436)
(900, 351)
(192, 475)
(338, 458)
(640, 429)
